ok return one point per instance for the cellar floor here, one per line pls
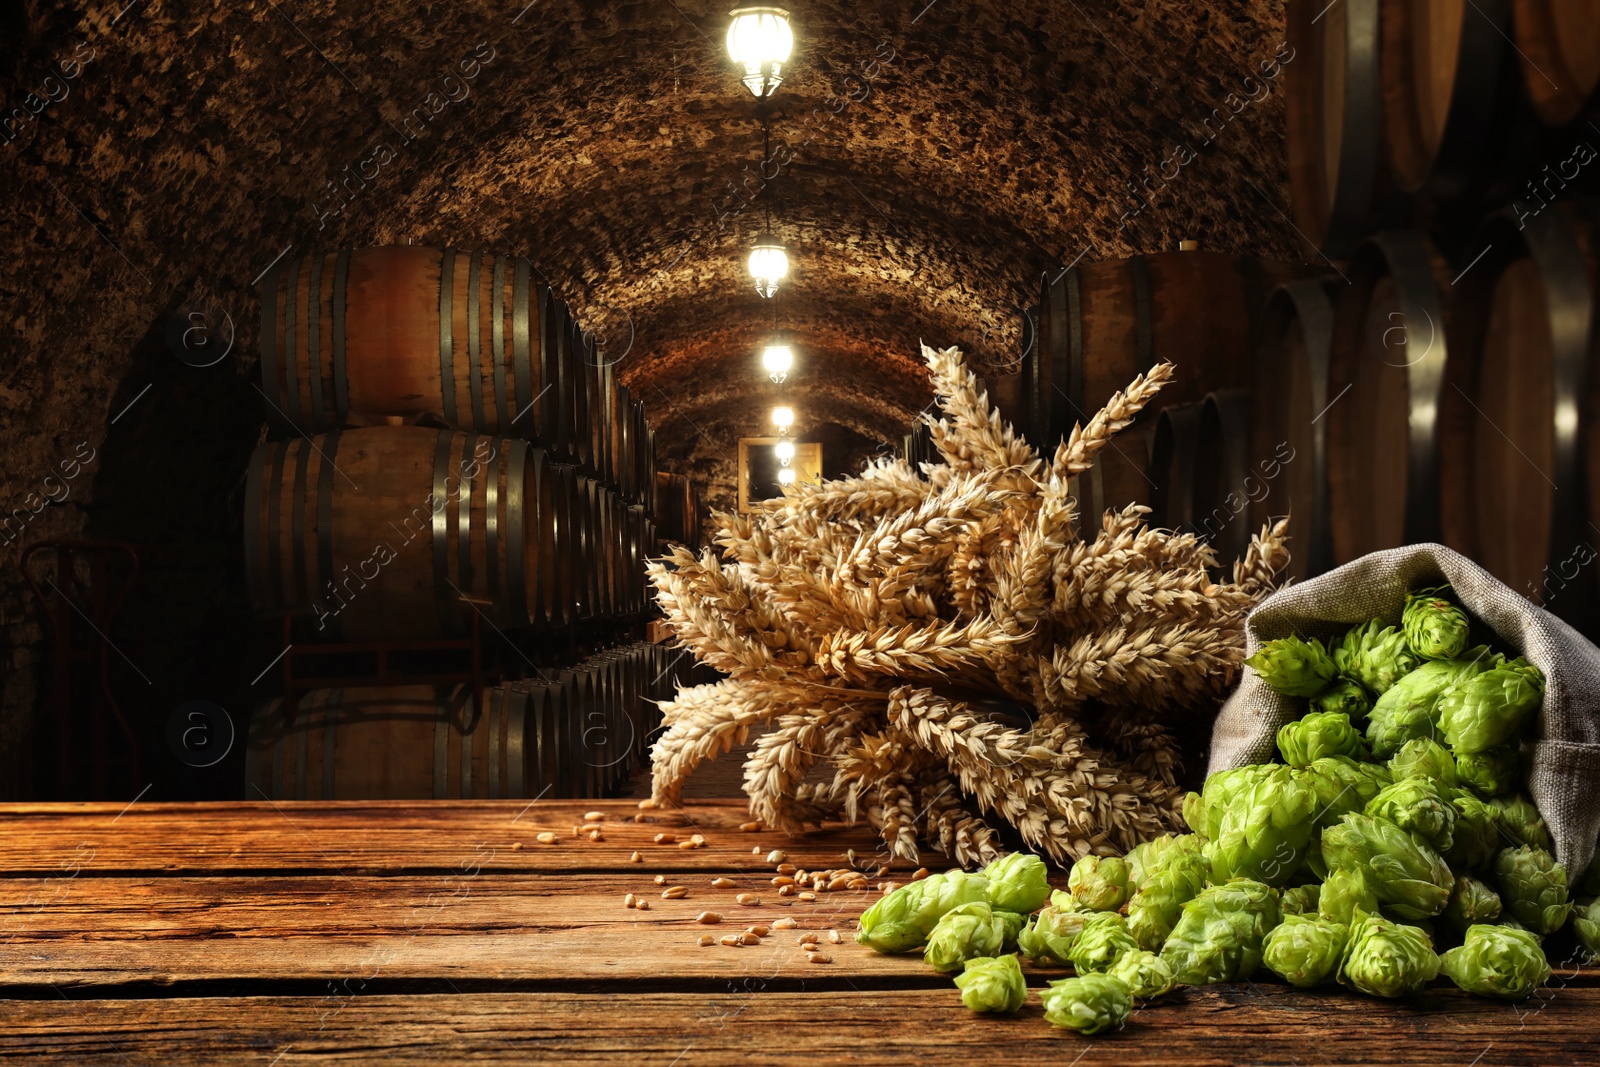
(399, 932)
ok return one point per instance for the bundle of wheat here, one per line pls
(943, 641)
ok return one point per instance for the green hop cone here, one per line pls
(1154, 909)
(1104, 940)
(1491, 773)
(1014, 922)
(1434, 627)
(1293, 667)
(1471, 902)
(1219, 936)
(1018, 882)
(1146, 974)
(1099, 883)
(1345, 697)
(1301, 899)
(1423, 757)
(1304, 950)
(1319, 734)
(1203, 811)
(1408, 876)
(1533, 888)
(1375, 655)
(1491, 708)
(1266, 832)
(963, 933)
(902, 920)
(1387, 959)
(1477, 834)
(1342, 785)
(992, 983)
(1147, 856)
(1409, 707)
(1586, 924)
(1088, 1004)
(1344, 893)
(1497, 961)
(1419, 806)
(1048, 939)
(1521, 822)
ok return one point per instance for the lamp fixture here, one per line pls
(786, 476)
(783, 418)
(777, 360)
(784, 451)
(760, 40)
(769, 264)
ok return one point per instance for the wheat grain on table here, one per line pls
(368, 932)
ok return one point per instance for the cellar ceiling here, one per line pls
(935, 159)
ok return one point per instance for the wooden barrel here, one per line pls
(1339, 182)
(1389, 354)
(460, 337)
(413, 742)
(1225, 484)
(1514, 410)
(1103, 323)
(1442, 75)
(388, 532)
(558, 744)
(1558, 47)
(582, 397)
(606, 398)
(1171, 469)
(1289, 439)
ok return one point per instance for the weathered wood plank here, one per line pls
(60, 840)
(1223, 1025)
(564, 928)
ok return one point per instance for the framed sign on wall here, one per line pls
(759, 467)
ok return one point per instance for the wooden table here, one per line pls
(443, 932)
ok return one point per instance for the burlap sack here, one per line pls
(1563, 765)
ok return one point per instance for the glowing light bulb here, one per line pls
(783, 418)
(785, 452)
(786, 476)
(769, 265)
(761, 41)
(777, 361)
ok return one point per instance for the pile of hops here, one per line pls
(951, 646)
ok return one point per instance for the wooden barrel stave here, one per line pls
(394, 743)
(1385, 378)
(1224, 485)
(1171, 470)
(391, 331)
(1514, 422)
(1103, 323)
(1558, 47)
(349, 529)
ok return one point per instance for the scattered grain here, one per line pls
(546, 838)
(675, 892)
(749, 900)
(636, 858)
(723, 883)
(643, 905)
(819, 957)
(787, 868)
(808, 896)
(922, 872)
(782, 880)
(833, 937)
(593, 816)
(708, 917)
(629, 900)
(786, 890)
(665, 839)
(750, 827)
(776, 856)
(758, 930)
(784, 923)
(810, 937)
(595, 835)
(707, 939)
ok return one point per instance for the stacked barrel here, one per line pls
(453, 457)
(679, 509)
(579, 731)
(453, 446)
(1431, 375)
